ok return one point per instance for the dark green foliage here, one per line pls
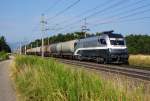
(57, 38)
(3, 45)
(3, 55)
(138, 44)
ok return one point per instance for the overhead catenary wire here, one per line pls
(134, 9)
(98, 12)
(52, 7)
(129, 6)
(107, 8)
(126, 12)
(121, 21)
(124, 20)
(64, 10)
(59, 13)
(46, 10)
(87, 11)
(122, 17)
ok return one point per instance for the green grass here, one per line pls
(140, 60)
(40, 79)
(3, 55)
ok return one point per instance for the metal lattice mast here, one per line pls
(84, 28)
(43, 30)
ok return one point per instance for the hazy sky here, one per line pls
(20, 19)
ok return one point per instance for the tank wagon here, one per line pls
(38, 50)
(106, 48)
(34, 51)
(63, 49)
(46, 50)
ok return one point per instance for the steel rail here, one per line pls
(131, 72)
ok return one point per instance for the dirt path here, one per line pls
(6, 90)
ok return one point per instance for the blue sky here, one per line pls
(20, 19)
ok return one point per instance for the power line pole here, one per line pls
(37, 45)
(84, 28)
(25, 46)
(43, 30)
(25, 50)
(48, 41)
(20, 49)
(31, 45)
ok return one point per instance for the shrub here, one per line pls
(3, 55)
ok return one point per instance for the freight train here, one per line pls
(108, 47)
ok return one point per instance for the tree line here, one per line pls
(58, 38)
(137, 44)
(3, 45)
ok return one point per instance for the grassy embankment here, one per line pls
(40, 79)
(3, 55)
(140, 60)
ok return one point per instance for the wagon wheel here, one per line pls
(100, 60)
(79, 58)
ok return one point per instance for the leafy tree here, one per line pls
(138, 44)
(3, 45)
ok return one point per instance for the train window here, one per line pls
(103, 41)
(117, 42)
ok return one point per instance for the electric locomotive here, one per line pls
(105, 48)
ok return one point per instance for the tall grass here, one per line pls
(39, 79)
(3, 55)
(140, 60)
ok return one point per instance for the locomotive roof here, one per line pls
(115, 35)
(110, 35)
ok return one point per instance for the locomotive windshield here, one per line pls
(117, 42)
(116, 39)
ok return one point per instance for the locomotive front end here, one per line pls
(118, 51)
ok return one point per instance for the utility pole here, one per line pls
(31, 45)
(25, 50)
(48, 41)
(43, 30)
(84, 28)
(37, 44)
(20, 49)
(25, 46)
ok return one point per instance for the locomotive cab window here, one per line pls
(117, 42)
(102, 41)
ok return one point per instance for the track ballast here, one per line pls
(131, 72)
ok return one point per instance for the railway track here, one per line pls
(135, 73)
